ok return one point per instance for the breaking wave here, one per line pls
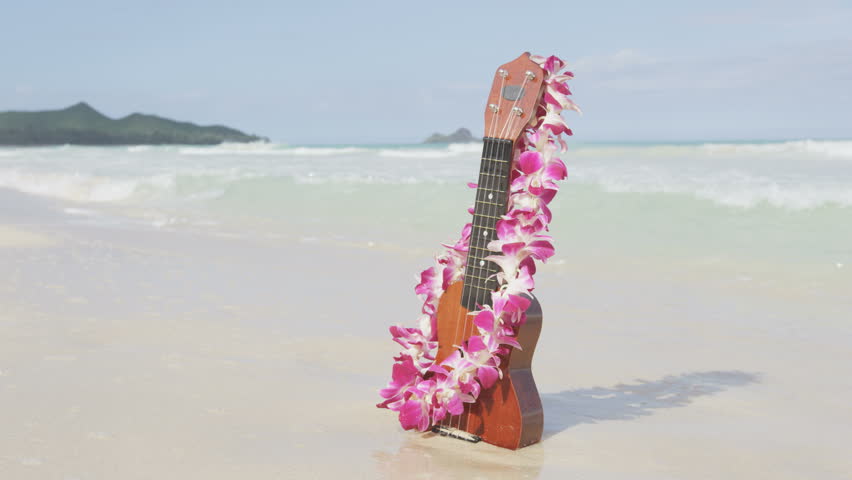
(261, 148)
(80, 187)
(796, 175)
(829, 148)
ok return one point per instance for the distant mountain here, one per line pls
(81, 124)
(461, 135)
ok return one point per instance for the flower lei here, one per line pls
(424, 392)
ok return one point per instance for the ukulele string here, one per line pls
(458, 337)
(471, 268)
(498, 211)
(494, 210)
(489, 182)
(491, 212)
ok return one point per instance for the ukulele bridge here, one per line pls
(456, 433)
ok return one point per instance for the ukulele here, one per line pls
(509, 413)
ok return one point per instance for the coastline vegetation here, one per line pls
(80, 124)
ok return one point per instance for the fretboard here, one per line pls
(491, 201)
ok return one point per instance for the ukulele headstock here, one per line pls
(514, 98)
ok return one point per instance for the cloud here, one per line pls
(817, 65)
(791, 14)
(622, 60)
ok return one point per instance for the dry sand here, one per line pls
(133, 354)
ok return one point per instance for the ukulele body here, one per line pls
(509, 414)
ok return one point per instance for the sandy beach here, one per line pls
(214, 214)
(132, 353)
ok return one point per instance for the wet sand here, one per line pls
(135, 353)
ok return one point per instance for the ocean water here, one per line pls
(777, 206)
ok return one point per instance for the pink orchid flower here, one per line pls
(556, 94)
(554, 122)
(430, 402)
(417, 346)
(449, 398)
(501, 320)
(538, 175)
(455, 257)
(518, 236)
(453, 268)
(523, 200)
(512, 308)
(516, 277)
(478, 351)
(416, 411)
(430, 287)
(429, 326)
(551, 64)
(404, 375)
(460, 371)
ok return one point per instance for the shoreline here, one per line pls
(145, 353)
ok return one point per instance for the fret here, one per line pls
(473, 262)
(495, 172)
(494, 167)
(489, 284)
(483, 216)
(483, 249)
(490, 190)
(487, 216)
(492, 219)
(495, 160)
(487, 212)
(483, 288)
(482, 278)
(495, 201)
(480, 248)
(487, 265)
(489, 207)
(492, 174)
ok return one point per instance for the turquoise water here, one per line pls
(787, 204)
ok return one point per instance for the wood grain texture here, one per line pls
(509, 414)
(504, 123)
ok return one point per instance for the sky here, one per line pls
(394, 72)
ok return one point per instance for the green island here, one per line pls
(80, 124)
(462, 135)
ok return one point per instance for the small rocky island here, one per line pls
(81, 124)
(461, 135)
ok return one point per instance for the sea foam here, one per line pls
(835, 148)
(794, 175)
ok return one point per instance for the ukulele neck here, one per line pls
(491, 203)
